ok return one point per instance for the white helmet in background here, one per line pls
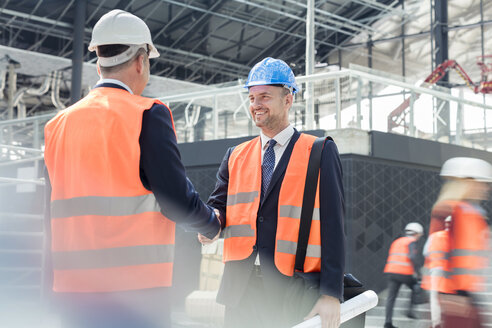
(414, 227)
(121, 27)
(467, 168)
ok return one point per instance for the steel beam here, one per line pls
(78, 50)
(441, 46)
(310, 33)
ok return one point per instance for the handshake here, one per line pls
(207, 241)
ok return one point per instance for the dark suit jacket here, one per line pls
(237, 273)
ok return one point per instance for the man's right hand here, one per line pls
(206, 241)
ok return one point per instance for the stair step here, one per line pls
(399, 312)
(378, 321)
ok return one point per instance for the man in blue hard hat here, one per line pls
(259, 196)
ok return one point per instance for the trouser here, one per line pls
(147, 308)
(394, 283)
(435, 308)
(459, 312)
(257, 308)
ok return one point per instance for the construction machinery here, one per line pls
(397, 117)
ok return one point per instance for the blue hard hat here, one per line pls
(272, 71)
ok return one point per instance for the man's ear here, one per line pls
(140, 64)
(289, 100)
(98, 69)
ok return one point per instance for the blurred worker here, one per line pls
(118, 187)
(436, 268)
(402, 267)
(259, 196)
(467, 184)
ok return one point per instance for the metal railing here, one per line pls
(357, 97)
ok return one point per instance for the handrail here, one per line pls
(345, 72)
(16, 180)
(27, 119)
(33, 150)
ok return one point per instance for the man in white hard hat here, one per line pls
(466, 186)
(402, 267)
(116, 188)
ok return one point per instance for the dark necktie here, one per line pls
(267, 166)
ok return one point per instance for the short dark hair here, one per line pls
(285, 90)
(110, 50)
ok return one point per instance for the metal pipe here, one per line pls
(38, 151)
(43, 88)
(55, 90)
(15, 180)
(78, 50)
(359, 100)
(310, 34)
(215, 117)
(412, 114)
(12, 87)
(338, 104)
(3, 78)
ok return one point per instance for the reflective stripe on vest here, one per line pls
(243, 202)
(469, 236)
(436, 267)
(399, 258)
(107, 230)
(108, 206)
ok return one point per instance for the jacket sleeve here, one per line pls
(218, 198)
(332, 211)
(162, 172)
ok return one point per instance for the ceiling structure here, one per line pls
(204, 41)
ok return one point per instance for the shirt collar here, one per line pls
(281, 138)
(118, 82)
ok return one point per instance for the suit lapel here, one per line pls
(282, 165)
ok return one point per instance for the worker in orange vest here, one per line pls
(436, 268)
(402, 267)
(259, 195)
(116, 187)
(467, 184)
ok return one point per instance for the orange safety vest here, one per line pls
(469, 241)
(399, 257)
(436, 267)
(243, 200)
(107, 230)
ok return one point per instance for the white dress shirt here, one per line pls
(282, 139)
(118, 82)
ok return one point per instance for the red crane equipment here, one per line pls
(397, 117)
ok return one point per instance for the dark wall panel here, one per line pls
(381, 198)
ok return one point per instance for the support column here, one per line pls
(309, 95)
(441, 46)
(369, 63)
(78, 50)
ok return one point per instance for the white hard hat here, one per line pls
(467, 167)
(121, 27)
(414, 227)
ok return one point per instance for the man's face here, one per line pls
(269, 108)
